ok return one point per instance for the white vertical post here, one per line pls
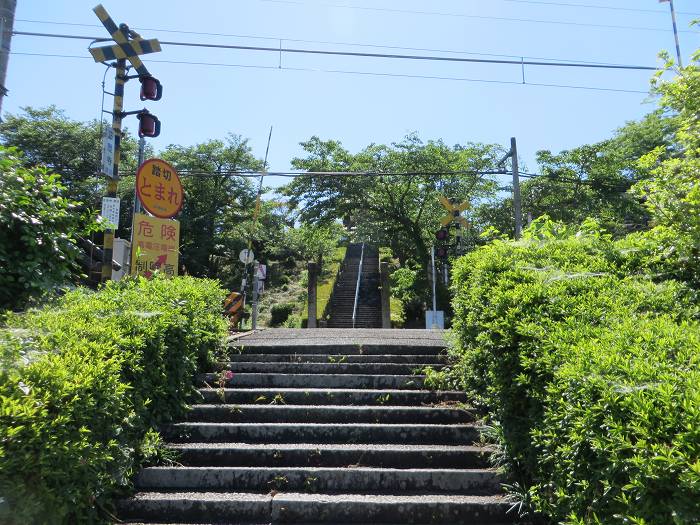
(432, 260)
(256, 267)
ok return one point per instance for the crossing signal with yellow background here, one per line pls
(128, 46)
(455, 218)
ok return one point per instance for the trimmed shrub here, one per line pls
(279, 313)
(552, 333)
(85, 384)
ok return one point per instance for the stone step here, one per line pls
(337, 358)
(326, 396)
(350, 433)
(326, 414)
(329, 368)
(317, 381)
(338, 509)
(359, 480)
(325, 455)
(340, 348)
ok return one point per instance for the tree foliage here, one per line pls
(673, 194)
(314, 242)
(38, 229)
(401, 211)
(592, 180)
(217, 205)
(67, 147)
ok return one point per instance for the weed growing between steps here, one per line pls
(587, 353)
(84, 382)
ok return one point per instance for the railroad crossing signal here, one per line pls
(136, 47)
(129, 45)
(454, 211)
(453, 217)
(125, 48)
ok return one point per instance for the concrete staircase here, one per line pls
(325, 426)
(369, 308)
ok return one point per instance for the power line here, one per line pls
(334, 174)
(569, 180)
(590, 6)
(363, 73)
(476, 17)
(430, 58)
(325, 42)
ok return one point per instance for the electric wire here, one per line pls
(430, 58)
(327, 42)
(365, 73)
(591, 6)
(478, 17)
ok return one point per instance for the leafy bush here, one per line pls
(38, 226)
(586, 355)
(86, 382)
(280, 312)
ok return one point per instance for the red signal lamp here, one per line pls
(442, 234)
(151, 88)
(149, 125)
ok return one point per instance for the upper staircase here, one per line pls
(369, 307)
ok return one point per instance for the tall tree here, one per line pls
(216, 203)
(402, 211)
(672, 195)
(67, 147)
(592, 180)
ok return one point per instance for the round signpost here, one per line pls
(159, 188)
(246, 256)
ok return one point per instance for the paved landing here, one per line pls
(345, 336)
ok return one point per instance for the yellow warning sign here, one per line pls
(156, 245)
(159, 188)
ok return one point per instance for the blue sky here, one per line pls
(202, 102)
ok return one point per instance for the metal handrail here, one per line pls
(357, 287)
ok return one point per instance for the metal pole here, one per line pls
(432, 262)
(137, 203)
(108, 242)
(7, 18)
(255, 295)
(675, 34)
(142, 154)
(517, 207)
(256, 213)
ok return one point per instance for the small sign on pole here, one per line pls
(108, 151)
(110, 212)
(246, 256)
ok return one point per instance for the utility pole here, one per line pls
(675, 32)
(517, 205)
(117, 108)
(7, 19)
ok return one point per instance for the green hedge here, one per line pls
(84, 382)
(588, 357)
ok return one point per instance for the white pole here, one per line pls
(254, 322)
(432, 258)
